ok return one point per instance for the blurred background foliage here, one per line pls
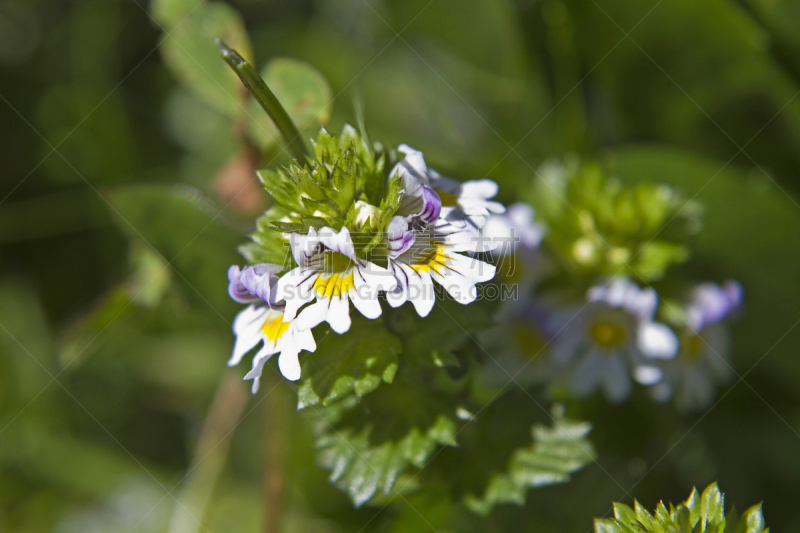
(128, 150)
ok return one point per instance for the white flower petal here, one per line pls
(303, 246)
(413, 162)
(460, 287)
(478, 189)
(338, 313)
(296, 287)
(657, 341)
(616, 381)
(370, 307)
(305, 340)
(648, 375)
(259, 361)
(312, 315)
(247, 328)
(378, 278)
(338, 242)
(588, 374)
(471, 268)
(421, 291)
(399, 295)
(443, 183)
(289, 363)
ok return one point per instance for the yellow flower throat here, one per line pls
(274, 327)
(334, 285)
(446, 198)
(608, 334)
(434, 258)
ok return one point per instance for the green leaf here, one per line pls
(354, 363)
(624, 514)
(171, 12)
(711, 504)
(365, 470)
(702, 513)
(193, 57)
(432, 340)
(752, 521)
(556, 452)
(302, 91)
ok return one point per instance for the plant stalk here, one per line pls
(266, 98)
(274, 474)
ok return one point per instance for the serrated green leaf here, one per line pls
(555, 454)
(700, 513)
(624, 514)
(364, 470)
(605, 525)
(353, 363)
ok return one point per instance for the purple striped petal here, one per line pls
(401, 237)
(236, 290)
(431, 205)
(259, 279)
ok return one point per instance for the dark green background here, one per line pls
(701, 95)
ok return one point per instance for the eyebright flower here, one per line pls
(263, 321)
(331, 273)
(469, 200)
(611, 337)
(425, 253)
(703, 358)
(423, 245)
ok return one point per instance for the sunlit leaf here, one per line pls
(698, 514)
(301, 90)
(191, 53)
(555, 454)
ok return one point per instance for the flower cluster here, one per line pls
(614, 333)
(356, 234)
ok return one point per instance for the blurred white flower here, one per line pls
(703, 360)
(612, 337)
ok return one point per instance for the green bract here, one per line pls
(328, 189)
(701, 513)
(600, 227)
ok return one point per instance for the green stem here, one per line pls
(255, 84)
(210, 456)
